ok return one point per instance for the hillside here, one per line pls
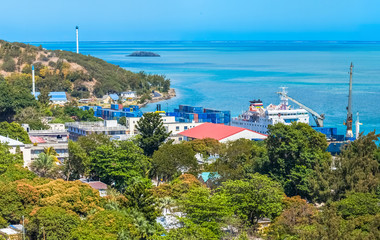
(79, 75)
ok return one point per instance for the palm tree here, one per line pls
(51, 151)
(43, 164)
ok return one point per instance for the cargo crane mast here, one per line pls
(318, 118)
(348, 122)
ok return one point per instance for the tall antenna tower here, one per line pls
(349, 133)
(77, 32)
(34, 84)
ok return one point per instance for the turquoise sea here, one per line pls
(226, 75)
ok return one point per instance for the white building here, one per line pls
(108, 127)
(128, 95)
(169, 123)
(15, 146)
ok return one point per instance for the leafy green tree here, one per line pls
(123, 121)
(90, 142)
(205, 146)
(171, 159)
(7, 158)
(239, 158)
(15, 131)
(152, 132)
(119, 163)
(357, 167)
(359, 204)
(13, 99)
(109, 224)
(78, 163)
(294, 151)
(206, 210)
(52, 223)
(140, 197)
(31, 116)
(192, 231)
(44, 97)
(253, 198)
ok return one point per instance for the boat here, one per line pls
(258, 118)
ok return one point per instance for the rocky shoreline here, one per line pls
(162, 97)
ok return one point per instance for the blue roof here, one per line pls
(209, 175)
(55, 96)
(114, 96)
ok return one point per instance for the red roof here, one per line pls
(37, 139)
(97, 185)
(215, 131)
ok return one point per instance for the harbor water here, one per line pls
(227, 75)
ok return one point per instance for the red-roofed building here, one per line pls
(221, 132)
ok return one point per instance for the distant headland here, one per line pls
(143, 54)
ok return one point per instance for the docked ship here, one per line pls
(258, 118)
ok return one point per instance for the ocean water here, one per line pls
(227, 75)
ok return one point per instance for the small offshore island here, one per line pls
(143, 54)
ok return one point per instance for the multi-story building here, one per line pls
(56, 137)
(108, 127)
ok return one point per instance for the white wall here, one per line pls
(243, 134)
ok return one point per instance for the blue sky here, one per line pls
(155, 20)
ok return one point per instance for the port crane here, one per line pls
(318, 118)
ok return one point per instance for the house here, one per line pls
(106, 99)
(97, 185)
(220, 132)
(56, 97)
(15, 146)
(129, 95)
(114, 97)
(210, 179)
(12, 232)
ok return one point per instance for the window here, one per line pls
(177, 128)
(185, 127)
(180, 139)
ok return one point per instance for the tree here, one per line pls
(294, 151)
(7, 158)
(206, 210)
(44, 97)
(253, 198)
(90, 142)
(52, 223)
(78, 163)
(109, 224)
(239, 158)
(43, 164)
(205, 146)
(357, 167)
(152, 132)
(358, 204)
(13, 99)
(31, 116)
(171, 159)
(119, 163)
(140, 197)
(192, 231)
(15, 131)
(123, 121)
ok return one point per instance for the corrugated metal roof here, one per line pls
(55, 96)
(215, 131)
(114, 96)
(11, 142)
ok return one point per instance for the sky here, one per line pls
(190, 20)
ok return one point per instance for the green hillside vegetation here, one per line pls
(79, 75)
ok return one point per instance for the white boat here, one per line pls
(258, 118)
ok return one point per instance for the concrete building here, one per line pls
(220, 132)
(97, 185)
(17, 146)
(129, 95)
(169, 123)
(56, 137)
(56, 97)
(107, 127)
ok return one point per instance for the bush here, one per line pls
(9, 64)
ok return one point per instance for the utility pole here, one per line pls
(349, 133)
(77, 32)
(23, 227)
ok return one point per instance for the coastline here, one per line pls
(171, 94)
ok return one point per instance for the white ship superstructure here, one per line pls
(258, 118)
